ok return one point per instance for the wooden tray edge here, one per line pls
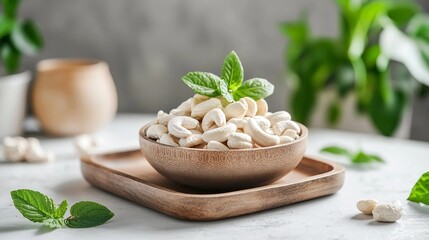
(196, 207)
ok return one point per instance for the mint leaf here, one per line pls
(232, 71)
(223, 89)
(362, 157)
(61, 210)
(420, 191)
(359, 157)
(336, 150)
(255, 88)
(203, 83)
(54, 223)
(88, 214)
(375, 158)
(33, 205)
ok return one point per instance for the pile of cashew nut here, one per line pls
(18, 149)
(213, 123)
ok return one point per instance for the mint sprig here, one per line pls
(38, 207)
(359, 157)
(230, 85)
(420, 191)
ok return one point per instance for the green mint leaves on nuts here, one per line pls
(420, 191)
(230, 85)
(359, 157)
(38, 207)
(232, 71)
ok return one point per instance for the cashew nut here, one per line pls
(263, 122)
(214, 145)
(278, 116)
(239, 141)
(179, 126)
(168, 139)
(219, 134)
(186, 105)
(280, 127)
(242, 137)
(156, 131)
(290, 133)
(164, 118)
(366, 206)
(213, 118)
(196, 99)
(236, 109)
(190, 141)
(84, 144)
(35, 153)
(14, 148)
(286, 139)
(179, 112)
(258, 135)
(252, 107)
(262, 107)
(199, 110)
(239, 123)
(388, 212)
(196, 131)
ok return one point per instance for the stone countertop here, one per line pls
(330, 217)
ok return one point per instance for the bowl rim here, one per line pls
(302, 137)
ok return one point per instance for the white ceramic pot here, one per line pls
(351, 120)
(13, 101)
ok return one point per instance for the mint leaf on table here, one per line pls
(33, 205)
(362, 157)
(232, 71)
(420, 191)
(203, 83)
(38, 207)
(88, 214)
(255, 88)
(336, 150)
(359, 157)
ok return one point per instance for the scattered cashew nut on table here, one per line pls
(382, 212)
(18, 149)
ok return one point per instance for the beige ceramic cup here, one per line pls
(73, 96)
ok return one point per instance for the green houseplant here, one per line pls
(17, 38)
(382, 46)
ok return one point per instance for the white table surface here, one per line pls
(331, 217)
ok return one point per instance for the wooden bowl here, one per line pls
(224, 170)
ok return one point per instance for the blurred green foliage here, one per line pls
(359, 62)
(16, 37)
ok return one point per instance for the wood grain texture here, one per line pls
(224, 170)
(129, 175)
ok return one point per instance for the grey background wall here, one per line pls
(150, 44)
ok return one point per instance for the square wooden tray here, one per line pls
(129, 175)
